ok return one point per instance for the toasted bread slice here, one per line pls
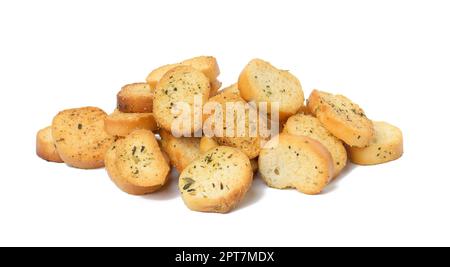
(117, 178)
(156, 75)
(181, 151)
(180, 85)
(309, 126)
(231, 90)
(205, 64)
(122, 124)
(136, 164)
(343, 118)
(207, 143)
(290, 161)
(215, 87)
(80, 137)
(248, 143)
(387, 145)
(262, 82)
(45, 146)
(135, 98)
(217, 181)
(305, 110)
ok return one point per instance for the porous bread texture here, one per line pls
(385, 146)
(80, 137)
(175, 97)
(343, 118)
(136, 164)
(216, 181)
(289, 161)
(263, 83)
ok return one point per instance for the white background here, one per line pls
(392, 57)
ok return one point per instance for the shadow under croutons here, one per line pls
(334, 184)
(169, 191)
(254, 194)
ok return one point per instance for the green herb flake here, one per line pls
(188, 183)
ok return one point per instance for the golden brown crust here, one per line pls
(121, 124)
(45, 146)
(136, 164)
(181, 151)
(156, 75)
(217, 181)
(215, 87)
(263, 83)
(135, 98)
(343, 118)
(206, 64)
(306, 125)
(207, 143)
(80, 137)
(386, 146)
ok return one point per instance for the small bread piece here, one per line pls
(207, 143)
(156, 75)
(387, 145)
(217, 181)
(135, 98)
(231, 90)
(116, 177)
(290, 161)
(136, 164)
(140, 161)
(305, 110)
(45, 146)
(343, 118)
(80, 137)
(181, 151)
(309, 126)
(181, 84)
(205, 64)
(262, 82)
(215, 87)
(122, 124)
